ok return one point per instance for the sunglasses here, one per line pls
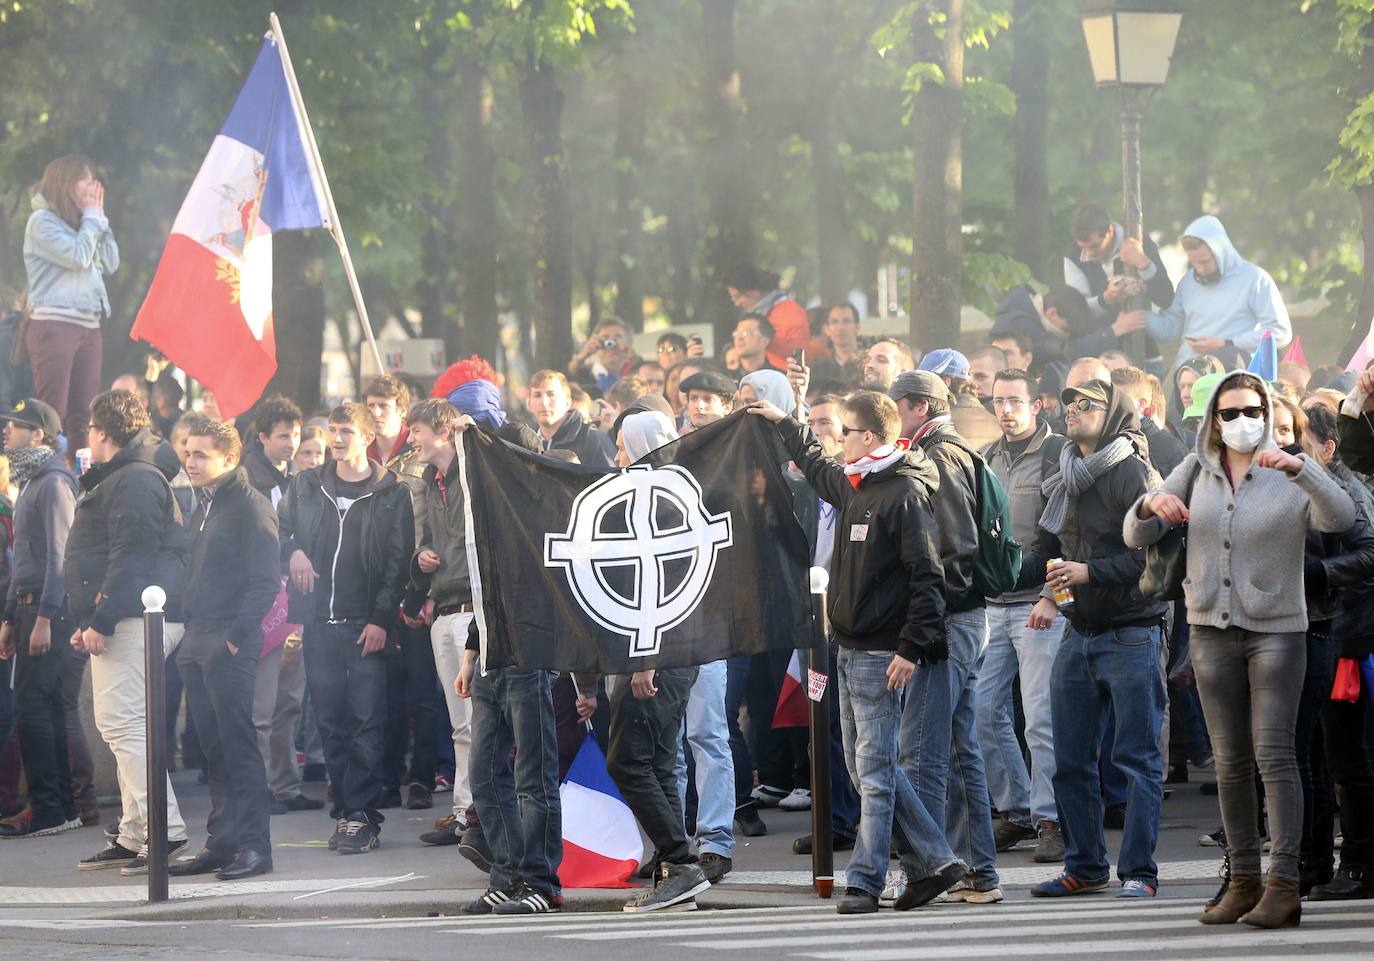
(846, 431)
(1083, 405)
(667, 349)
(1229, 414)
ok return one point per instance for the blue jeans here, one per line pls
(940, 752)
(709, 736)
(1117, 668)
(1027, 797)
(869, 716)
(518, 806)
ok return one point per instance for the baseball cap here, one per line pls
(918, 383)
(1202, 393)
(1097, 390)
(710, 381)
(946, 362)
(32, 412)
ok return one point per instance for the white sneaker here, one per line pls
(798, 800)
(964, 891)
(893, 889)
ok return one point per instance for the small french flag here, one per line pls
(792, 710)
(601, 843)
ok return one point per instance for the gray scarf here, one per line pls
(1075, 475)
(26, 461)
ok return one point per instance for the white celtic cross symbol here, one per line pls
(664, 521)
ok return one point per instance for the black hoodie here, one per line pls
(1092, 534)
(126, 536)
(42, 519)
(887, 588)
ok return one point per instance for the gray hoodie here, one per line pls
(42, 518)
(1245, 546)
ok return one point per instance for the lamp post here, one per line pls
(1130, 45)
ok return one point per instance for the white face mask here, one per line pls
(1242, 434)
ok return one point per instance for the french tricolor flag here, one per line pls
(792, 709)
(601, 844)
(210, 305)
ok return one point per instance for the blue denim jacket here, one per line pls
(66, 266)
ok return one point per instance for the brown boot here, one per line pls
(1280, 907)
(1243, 892)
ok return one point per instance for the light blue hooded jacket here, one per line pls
(1242, 304)
(65, 265)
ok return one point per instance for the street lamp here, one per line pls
(1130, 45)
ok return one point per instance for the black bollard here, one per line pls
(818, 662)
(156, 679)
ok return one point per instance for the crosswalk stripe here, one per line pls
(1221, 940)
(576, 917)
(988, 922)
(929, 933)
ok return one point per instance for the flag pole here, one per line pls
(312, 150)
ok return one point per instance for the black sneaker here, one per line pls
(748, 822)
(856, 901)
(139, 865)
(359, 837)
(113, 855)
(447, 830)
(529, 901)
(924, 890)
(838, 842)
(677, 884)
(1007, 834)
(474, 848)
(340, 826)
(715, 866)
(420, 798)
(300, 802)
(489, 901)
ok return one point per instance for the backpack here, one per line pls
(998, 564)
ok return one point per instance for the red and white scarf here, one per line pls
(875, 460)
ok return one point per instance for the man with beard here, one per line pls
(886, 359)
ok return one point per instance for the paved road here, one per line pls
(398, 902)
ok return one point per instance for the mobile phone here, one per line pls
(799, 357)
(694, 339)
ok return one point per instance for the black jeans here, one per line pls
(412, 681)
(219, 694)
(1318, 801)
(42, 720)
(78, 751)
(781, 754)
(349, 694)
(1348, 765)
(641, 753)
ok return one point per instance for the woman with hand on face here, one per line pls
(68, 250)
(1248, 505)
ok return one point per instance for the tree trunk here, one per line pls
(541, 101)
(298, 317)
(730, 241)
(438, 292)
(833, 237)
(1030, 73)
(1365, 195)
(629, 207)
(937, 122)
(477, 225)
(680, 235)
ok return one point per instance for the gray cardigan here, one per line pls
(1245, 547)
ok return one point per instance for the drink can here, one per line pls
(1062, 595)
(83, 460)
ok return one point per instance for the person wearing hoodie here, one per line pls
(887, 612)
(1248, 506)
(1224, 301)
(1110, 655)
(347, 533)
(35, 615)
(68, 250)
(1059, 323)
(126, 535)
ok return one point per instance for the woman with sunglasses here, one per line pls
(1248, 506)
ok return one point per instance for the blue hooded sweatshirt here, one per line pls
(1240, 306)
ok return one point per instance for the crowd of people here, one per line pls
(320, 602)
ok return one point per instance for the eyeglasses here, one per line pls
(1012, 402)
(667, 349)
(1083, 405)
(1229, 414)
(846, 431)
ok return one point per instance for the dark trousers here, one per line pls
(517, 803)
(1318, 800)
(781, 754)
(219, 694)
(349, 694)
(642, 752)
(42, 720)
(1348, 765)
(79, 761)
(413, 682)
(736, 686)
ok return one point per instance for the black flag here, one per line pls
(689, 556)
